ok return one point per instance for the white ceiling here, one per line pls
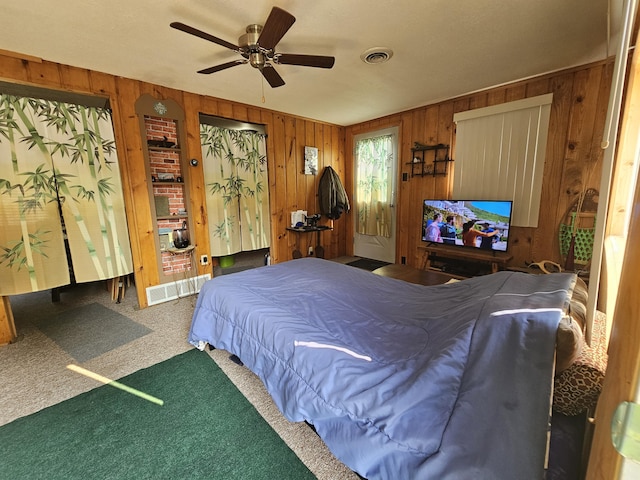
(442, 48)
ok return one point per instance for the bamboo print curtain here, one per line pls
(235, 171)
(58, 159)
(373, 157)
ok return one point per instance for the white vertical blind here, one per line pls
(500, 154)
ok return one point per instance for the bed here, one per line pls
(399, 380)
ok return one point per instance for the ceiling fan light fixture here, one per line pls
(376, 55)
(257, 60)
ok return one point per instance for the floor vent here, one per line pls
(180, 288)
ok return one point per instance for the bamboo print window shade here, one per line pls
(60, 184)
(235, 171)
(374, 187)
(500, 152)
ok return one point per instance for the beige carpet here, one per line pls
(34, 372)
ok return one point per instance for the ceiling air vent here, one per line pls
(376, 55)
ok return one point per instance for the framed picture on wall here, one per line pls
(310, 160)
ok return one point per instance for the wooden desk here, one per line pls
(495, 258)
(413, 275)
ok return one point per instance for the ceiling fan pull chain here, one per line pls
(263, 99)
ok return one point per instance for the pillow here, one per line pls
(570, 336)
(569, 343)
(577, 388)
(578, 304)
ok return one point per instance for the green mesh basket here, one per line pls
(583, 249)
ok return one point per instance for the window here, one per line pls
(500, 154)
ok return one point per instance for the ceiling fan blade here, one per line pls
(222, 66)
(199, 33)
(277, 24)
(305, 60)
(270, 74)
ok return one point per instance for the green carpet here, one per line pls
(205, 429)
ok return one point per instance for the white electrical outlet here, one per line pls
(204, 260)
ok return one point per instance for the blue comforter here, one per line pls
(401, 381)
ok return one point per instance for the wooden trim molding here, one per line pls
(21, 56)
(7, 326)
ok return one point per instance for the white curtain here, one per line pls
(374, 158)
(500, 152)
(59, 180)
(235, 171)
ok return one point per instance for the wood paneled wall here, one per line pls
(577, 119)
(287, 136)
(573, 155)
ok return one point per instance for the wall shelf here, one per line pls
(162, 121)
(159, 183)
(429, 160)
(163, 149)
(179, 216)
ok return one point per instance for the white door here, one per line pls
(376, 158)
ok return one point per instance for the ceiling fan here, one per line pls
(257, 47)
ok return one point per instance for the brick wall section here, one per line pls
(158, 128)
(167, 161)
(163, 161)
(173, 264)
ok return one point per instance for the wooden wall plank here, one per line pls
(137, 202)
(406, 223)
(8, 332)
(197, 189)
(277, 183)
(76, 79)
(225, 109)
(44, 73)
(240, 112)
(545, 245)
(13, 69)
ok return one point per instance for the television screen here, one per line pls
(467, 223)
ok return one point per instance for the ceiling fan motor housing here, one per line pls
(250, 48)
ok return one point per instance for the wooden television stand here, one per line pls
(434, 252)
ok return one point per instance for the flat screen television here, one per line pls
(467, 223)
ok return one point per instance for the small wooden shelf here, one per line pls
(163, 149)
(178, 216)
(308, 229)
(178, 251)
(319, 228)
(160, 183)
(420, 166)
